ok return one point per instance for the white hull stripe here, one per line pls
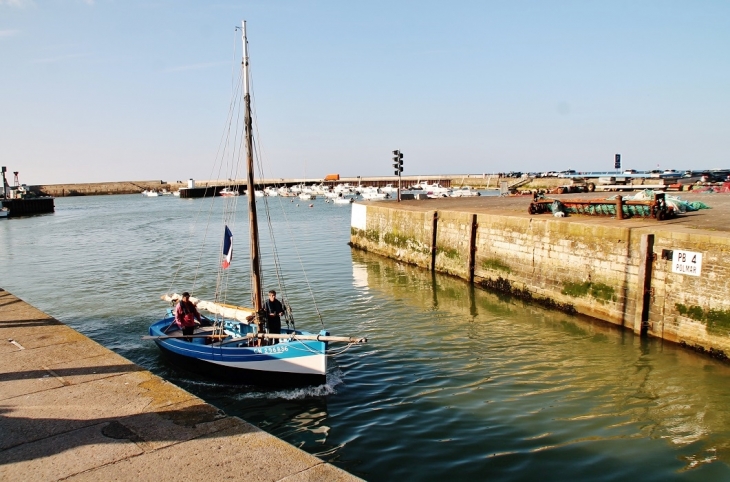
(309, 365)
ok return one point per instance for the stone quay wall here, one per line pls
(619, 273)
(97, 188)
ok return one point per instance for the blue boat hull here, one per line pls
(290, 363)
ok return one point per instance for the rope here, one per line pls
(229, 159)
(277, 266)
(220, 154)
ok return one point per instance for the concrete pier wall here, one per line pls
(74, 410)
(28, 207)
(584, 266)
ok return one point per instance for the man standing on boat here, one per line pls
(186, 314)
(274, 309)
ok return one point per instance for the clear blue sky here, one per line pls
(103, 90)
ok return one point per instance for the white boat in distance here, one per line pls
(435, 190)
(374, 194)
(150, 193)
(228, 192)
(465, 191)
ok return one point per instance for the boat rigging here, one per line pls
(237, 345)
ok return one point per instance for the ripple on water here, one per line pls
(455, 383)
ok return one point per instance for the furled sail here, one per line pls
(227, 311)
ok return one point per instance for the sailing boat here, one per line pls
(307, 194)
(235, 347)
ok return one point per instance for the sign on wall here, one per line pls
(359, 216)
(687, 262)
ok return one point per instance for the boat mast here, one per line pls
(253, 226)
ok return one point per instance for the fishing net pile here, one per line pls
(678, 204)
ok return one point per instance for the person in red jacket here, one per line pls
(186, 315)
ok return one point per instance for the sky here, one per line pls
(113, 90)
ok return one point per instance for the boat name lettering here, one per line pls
(270, 350)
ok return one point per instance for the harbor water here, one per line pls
(455, 383)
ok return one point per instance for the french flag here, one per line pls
(227, 248)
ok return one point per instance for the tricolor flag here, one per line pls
(227, 248)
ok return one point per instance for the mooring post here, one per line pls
(434, 228)
(472, 247)
(643, 295)
(619, 207)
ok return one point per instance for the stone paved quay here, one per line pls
(715, 219)
(71, 409)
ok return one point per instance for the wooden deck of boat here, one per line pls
(74, 410)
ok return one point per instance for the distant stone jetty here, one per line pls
(97, 188)
(478, 181)
(481, 181)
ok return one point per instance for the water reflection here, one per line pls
(555, 383)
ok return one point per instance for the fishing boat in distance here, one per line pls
(235, 344)
(343, 200)
(228, 192)
(465, 191)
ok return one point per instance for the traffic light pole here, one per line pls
(398, 165)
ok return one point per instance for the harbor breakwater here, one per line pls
(99, 188)
(622, 272)
(134, 187)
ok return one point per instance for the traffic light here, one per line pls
(398, 162)
(617, 162)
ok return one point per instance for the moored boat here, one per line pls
(465, 191)
(228, 192)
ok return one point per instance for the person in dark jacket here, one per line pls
(274, 309)
(186, 315)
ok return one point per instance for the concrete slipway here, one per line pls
(71, 409)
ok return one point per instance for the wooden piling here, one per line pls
(619, 207)
(643, 296)
(434, 230)
(472, 247)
